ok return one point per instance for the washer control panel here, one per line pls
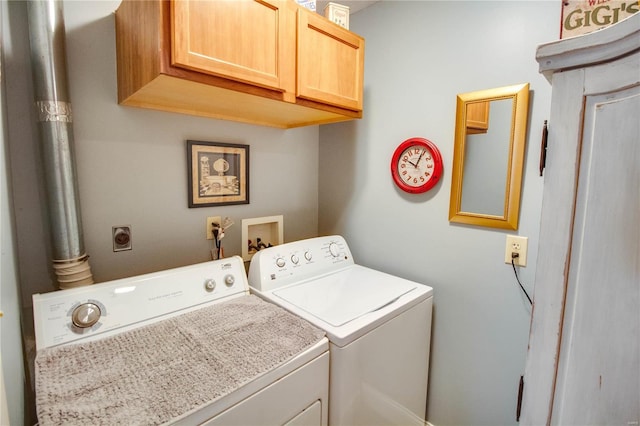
(281, 265)
(85, 312)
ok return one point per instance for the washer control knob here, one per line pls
(85, 315)
(229, 280)
(280, 262)
(333, 249)
(308, 256)
(295, 259)
(209, 285)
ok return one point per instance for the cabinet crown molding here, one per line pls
(603, 45)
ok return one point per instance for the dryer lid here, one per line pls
(344, 296)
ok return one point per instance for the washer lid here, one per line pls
(344, 296)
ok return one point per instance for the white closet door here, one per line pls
(598, 378)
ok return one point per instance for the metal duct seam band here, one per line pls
(54, 111)
(73, 272)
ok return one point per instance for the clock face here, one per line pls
(416, 165)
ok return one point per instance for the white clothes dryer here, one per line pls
(379, 327)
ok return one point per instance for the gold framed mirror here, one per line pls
(488, 156)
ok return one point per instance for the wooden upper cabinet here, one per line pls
(330, 62)
(265, 62)
(249, 41)
(478, 117)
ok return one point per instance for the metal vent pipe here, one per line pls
(53, 108)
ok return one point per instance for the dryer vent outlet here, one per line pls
(121, 238)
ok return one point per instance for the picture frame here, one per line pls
(218, 173)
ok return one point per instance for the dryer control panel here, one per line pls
(95, 311)
(298, 261)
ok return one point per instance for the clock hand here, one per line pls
(420, 158)
(414, 165)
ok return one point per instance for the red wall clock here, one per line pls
(416, 165)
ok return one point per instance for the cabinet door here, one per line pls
(330, 62)
(478, 117)
(599, 363)
(249, 41)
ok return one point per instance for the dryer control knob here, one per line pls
(229, 280)
(280, 262)
(295, 259)
(85, 315)
(333, 248)
(308, 256)
(209, 284)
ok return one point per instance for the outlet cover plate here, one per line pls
(516, 244)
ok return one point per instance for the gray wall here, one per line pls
(11, 366)
(419, 56)
(132, 165)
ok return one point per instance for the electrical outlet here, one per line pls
(516, 244)
(121, 237)
(210, 221)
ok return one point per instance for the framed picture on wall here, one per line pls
(218, 173)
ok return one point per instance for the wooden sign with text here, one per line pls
(585, 16)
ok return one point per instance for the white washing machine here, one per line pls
(184, 346)
(379, 327)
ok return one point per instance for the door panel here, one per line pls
(249, 41)
(598, 378)
(330, 62)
